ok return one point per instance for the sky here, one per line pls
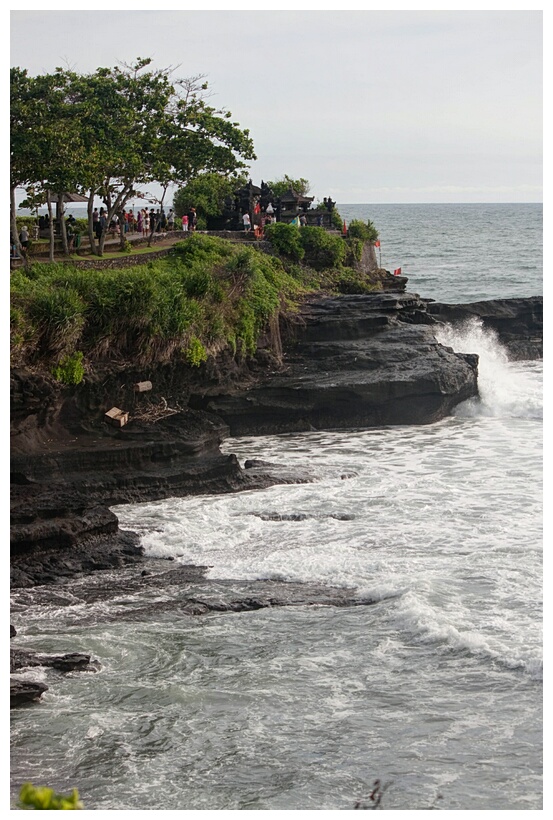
(369, 106)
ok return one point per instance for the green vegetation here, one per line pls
(207, 295)
(359, 230)
(315, 246)
(107, 133)
(285, 239)
(207, 194)
(283, 184)
(322, 249)
(70, 370)
(196, 352)
(42, 797)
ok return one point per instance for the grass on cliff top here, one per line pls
(208, 295)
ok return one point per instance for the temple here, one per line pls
(263, 207)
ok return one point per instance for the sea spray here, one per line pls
(506, 389)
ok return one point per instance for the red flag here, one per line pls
(397, 272)
(377, 243)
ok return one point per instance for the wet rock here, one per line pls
(69, 662)
(25, 691)
(187, 590)
(350, 361)
(355, 361)
(269, 516)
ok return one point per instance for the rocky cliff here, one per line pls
(348, 361)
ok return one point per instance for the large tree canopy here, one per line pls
(207, 193)
(283, 184)
(109, 132)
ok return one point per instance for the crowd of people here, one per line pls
(145, 222)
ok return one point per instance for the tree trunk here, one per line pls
(63, 232)
(122, 224)
(15, 233)
(91, 236)
(102, 239)
(50, 225)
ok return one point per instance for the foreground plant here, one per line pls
(42, 797)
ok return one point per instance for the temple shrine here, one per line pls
(263, 207)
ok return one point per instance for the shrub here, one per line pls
(285, 239)
(322, 250)
(351, 281)
(57, 313)
(210, 294)
(354, 250)
(358, 230)
(195, 352)
(42, 797)
(70, 370)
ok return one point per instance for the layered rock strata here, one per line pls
(355, 361)
(345, 362)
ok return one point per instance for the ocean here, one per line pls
(435, 689)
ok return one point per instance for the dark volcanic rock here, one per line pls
(349, 361)
(40, 564)
(184, 590)
(25, 691)
(357, 361)
(61, 523)
(518, 323)
(69, 662)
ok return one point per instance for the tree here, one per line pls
(140, 127)
(283, 184)
(134, 125)
(207, 193)
(46, 146)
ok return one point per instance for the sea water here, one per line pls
(435, 689)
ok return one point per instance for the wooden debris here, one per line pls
(142, 387)
(150, 413)
(116, 417)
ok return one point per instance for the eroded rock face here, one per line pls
(61, 523)
(356, 361)
(349, 361)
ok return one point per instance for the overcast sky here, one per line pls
(370, 106)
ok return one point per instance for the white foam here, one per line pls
(507, 389)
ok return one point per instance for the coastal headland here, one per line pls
(351, 350)
(339, 361)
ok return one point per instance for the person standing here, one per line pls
(192, 219)
(247, 221)
(171, 220)
(24, 238)
(185, 223)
